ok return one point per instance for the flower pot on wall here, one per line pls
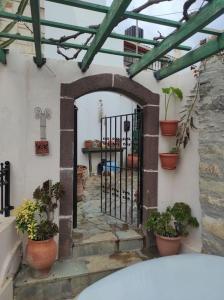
(169, 127)
(169, 160)
(133, 157)
(41, 255)
(168, 245)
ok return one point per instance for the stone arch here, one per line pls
(148, 100)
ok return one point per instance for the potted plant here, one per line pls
(88, 144)
(169, 127)
(169, 160)
(187, 115)
(35, 217)
(170, 226)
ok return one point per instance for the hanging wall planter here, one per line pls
(169, 160)
(169, 127)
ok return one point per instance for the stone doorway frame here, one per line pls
(148, 100)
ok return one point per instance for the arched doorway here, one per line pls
(149, 103)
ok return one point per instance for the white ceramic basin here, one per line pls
(180, 277)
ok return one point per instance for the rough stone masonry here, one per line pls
(211, 150)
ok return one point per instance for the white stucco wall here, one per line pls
(23, 87)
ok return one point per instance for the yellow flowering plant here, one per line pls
(27, 215)
(36, 216)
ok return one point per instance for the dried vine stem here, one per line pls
(187, 120)
(159, 37)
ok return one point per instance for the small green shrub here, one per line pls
(175, 221)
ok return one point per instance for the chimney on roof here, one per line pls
(133, 31)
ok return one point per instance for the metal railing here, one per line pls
(5, 189)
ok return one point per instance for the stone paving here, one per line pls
(90, 218)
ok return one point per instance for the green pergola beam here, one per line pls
(210, 48)
(206, 15)
(2, 56)
(69, 45)
(130, 15)
(6, 15)
(111, 19)
(35, 12)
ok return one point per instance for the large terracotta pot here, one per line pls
(83, 170)
(80, 185)
(40, 256)
(169, 160)
(168, 245)
(135, 161)
(169, 127)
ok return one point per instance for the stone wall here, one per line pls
(211, 150)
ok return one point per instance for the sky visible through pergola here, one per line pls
(205, 12)
(172, 10)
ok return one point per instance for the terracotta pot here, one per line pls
(169, 127)
(135, 161)
(168, 245)
(88, 144)
(80, 185)
(40, 256)
(169, 160)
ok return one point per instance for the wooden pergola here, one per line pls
(115, 14)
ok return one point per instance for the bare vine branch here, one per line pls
(159, 37)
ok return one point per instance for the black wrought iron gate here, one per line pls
(121, 166)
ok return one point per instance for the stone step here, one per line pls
(108, 243)
(68, 278)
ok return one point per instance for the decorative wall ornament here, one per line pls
(42, 147)
(100, 110)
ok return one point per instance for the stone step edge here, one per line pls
(116, 240)
(52, 279)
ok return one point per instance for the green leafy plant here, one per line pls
(183, 219)
(174, 150)
(48, 196)
(171, 93)
(174, 222)
(35, 217)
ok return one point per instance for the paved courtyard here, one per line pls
(91, 220)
